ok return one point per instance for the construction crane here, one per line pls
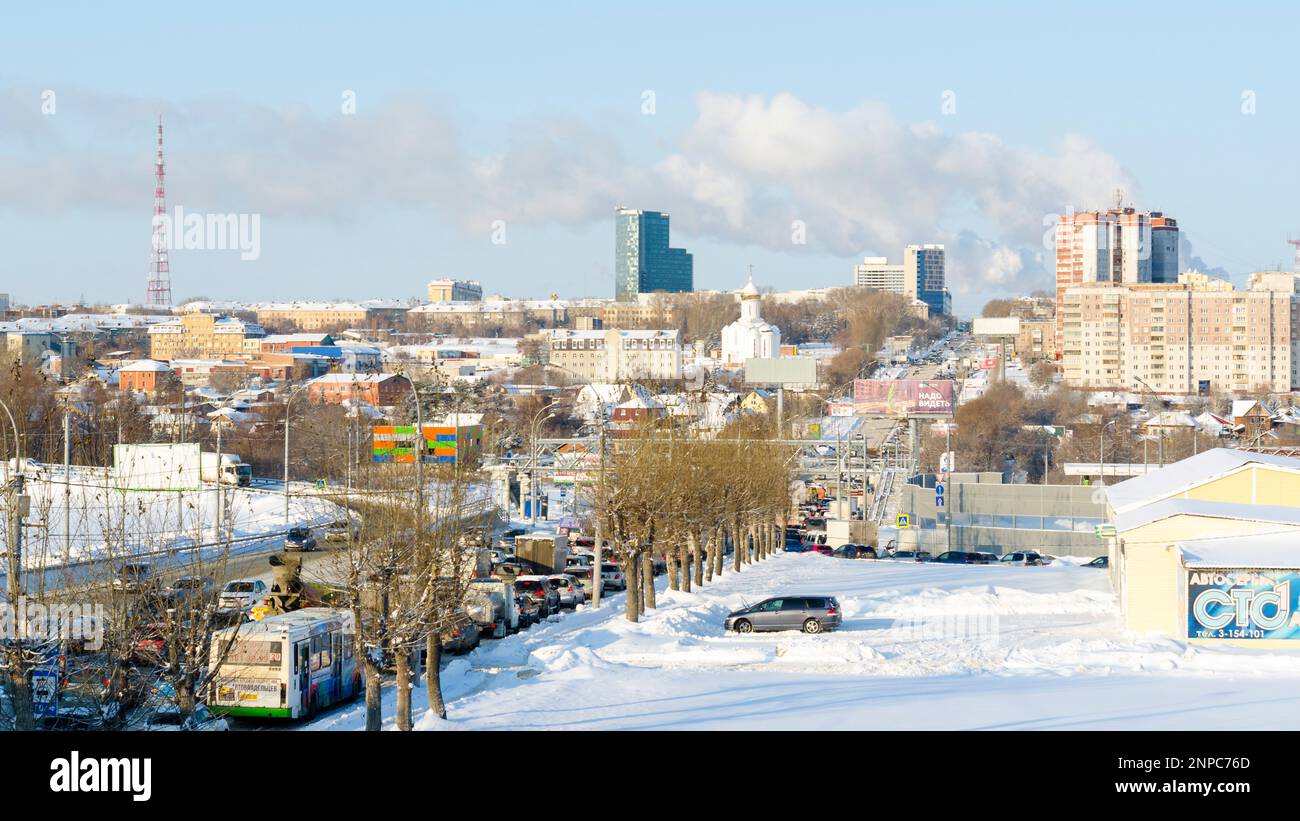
(1296, 244)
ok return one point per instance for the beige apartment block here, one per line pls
(612, 355)
(1179, 338)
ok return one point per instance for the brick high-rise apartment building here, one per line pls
(1119, 246)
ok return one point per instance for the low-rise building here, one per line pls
(378, 389)
(614, 355)
(145, 376)
(1208, 549)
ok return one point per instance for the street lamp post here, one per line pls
(289, 397)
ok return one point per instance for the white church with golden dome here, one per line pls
(749, 336)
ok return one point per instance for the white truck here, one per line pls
(491, 604)
(229, 469)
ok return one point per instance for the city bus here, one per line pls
(290, 665)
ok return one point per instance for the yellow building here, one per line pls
(202, 336)
(1198, 542)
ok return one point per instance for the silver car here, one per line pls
(811, 614)
(570, 589)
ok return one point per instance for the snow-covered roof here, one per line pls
(1263, 550)
(145, 366)
(1188, 473)
(1241, 407)
(1279, 514)
(1171, 419)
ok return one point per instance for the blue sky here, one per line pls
(763, 114)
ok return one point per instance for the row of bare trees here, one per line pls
(683, 499)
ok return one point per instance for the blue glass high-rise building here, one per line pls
(643, 262)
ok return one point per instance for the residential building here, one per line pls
(378, 389)
(1189, 337)
(455, 290)
(749, 336)
(1113, 246)
(643, 261)
(198, 372)
(330, 316)
(145, 376)
(613, 355)
(1036, 340)
(645, 311)
(203, 336)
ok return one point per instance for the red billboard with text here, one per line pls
(904, 397)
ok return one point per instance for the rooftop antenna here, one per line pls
(1119, 197)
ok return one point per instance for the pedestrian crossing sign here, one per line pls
(904, 520)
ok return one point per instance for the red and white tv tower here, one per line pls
(159, 286)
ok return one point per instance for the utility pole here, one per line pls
(217, 539)
(17, 505)
(597, 580)
(67, 485)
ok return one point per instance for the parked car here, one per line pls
(241, 594)
(961, 557)
(462, 636)
(1025, 557)
(539, 588)
(133, 577)
(510, 534)
(569, 589)
(911, 555)
(795, 547)
(509, 570)
(824, 549)
(530, 610)
(854, 551)
(192, 591)
(811, 614)
(584, 578)
(988, 557)
(342, 530)
(611, 577)
(299, 539)
(1102, 562)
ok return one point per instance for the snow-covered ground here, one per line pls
(922, 647)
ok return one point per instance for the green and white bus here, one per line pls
(289, 665)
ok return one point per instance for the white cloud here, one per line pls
(860, 180)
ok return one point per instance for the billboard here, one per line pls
(399, 443)
(787, 370)
(157, 467)
(904, 397)
(1243, 604)
(997, 326)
